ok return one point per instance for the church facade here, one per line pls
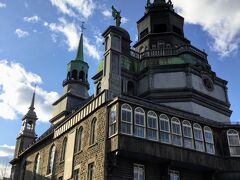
(158, 112)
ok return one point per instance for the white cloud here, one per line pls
(21, 34)
(33, 19)
(124, 20)
(6, 150)
(16, 88)
(107, 13)
(71, 7)
(220, 18)
(2, 5)
(5, 169)
(72, 34)
(91, 49)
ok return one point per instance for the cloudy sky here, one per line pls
(38, 38)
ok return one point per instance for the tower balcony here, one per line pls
(169, 52)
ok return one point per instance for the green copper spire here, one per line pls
(79, 56)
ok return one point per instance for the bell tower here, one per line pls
(75, 86)
(27, 133)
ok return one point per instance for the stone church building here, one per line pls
(158, 112)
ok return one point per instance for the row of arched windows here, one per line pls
(163, 129)
(77, 148)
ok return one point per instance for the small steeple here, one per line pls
(31, 112)
(80, 56)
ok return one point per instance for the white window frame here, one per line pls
(187, 124)
(176, 121)
(197, 127)
(128, 108)
(139, 111)
(138, 167)
(207, 141)
(232, 132)
(153, 115)
(164, 117)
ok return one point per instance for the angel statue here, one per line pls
(116, 15)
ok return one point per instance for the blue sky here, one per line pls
(38, 38)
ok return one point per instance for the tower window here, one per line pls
(81, 75)
(209, 143)
(176, 132)
(98, 89)
(198, 137)
(159, 28)
(113, 120)
(126, 119)
(74, 74)
(139, 122)
(152, 125)
(76, 174)
(233, 142)
(164, 128)
(187, 134)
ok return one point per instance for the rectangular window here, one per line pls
(174, 175)
(60, 178)
(76, 174)
(138, 172)
(90, 171)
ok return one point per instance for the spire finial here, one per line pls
(33, 99)
(80, 45)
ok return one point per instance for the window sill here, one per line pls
(79, 152)
(92, 145)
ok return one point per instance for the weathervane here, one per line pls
(117, 16)
(82, 26)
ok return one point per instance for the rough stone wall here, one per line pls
(89, 153)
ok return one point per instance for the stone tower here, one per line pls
(75, 86)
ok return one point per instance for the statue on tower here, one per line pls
(117, 16)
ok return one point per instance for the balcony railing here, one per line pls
(168, 52)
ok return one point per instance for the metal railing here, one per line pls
(169, 52)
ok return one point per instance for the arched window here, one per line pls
(51, 158)
(233, 142)
(209, 143)
(78, 140)
(81, 76)
(176, 132)
(164, 127)
(126, 119)
(139, 122)
(113, 120)
(64, 146)
(152, 125)
(187, 134)
(130, 88)
(198, 137)
(93, 132)
(36, 166)
(74, 74)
